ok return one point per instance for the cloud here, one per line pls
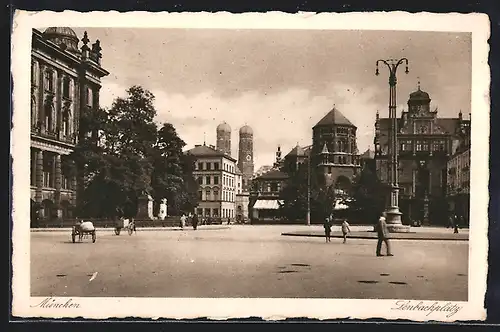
(283, 118)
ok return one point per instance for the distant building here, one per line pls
(65, 83)
(224, 138)
(245, 155)
(217, 177)
(265, 200)
(334, 150)
(424, 148)
(458, 172)
(242, 199)
(367, 159)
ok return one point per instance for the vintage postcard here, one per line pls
(250, 165)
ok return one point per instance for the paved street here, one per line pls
(244, 261)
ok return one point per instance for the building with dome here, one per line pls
(65, 82)
(224, 138)
(245, 156)
(425, 145)
(334, 150)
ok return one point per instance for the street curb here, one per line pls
(367, 237)
(148, 229)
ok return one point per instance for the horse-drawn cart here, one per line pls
(83, 230)
(126, 224)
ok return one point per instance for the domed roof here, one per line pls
(419, 95)
(64, 37)
(224, 127)
(61, 31)
(246, 130)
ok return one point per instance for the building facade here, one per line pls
(245, 156)
(458, 172)
(217, 178)
(334, 150)
(265, 193)
(424, 148)
(65, 82)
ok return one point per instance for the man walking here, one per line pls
(183, 220)
(195, 221)
(328, 229)
(383, 236)
(345, 229)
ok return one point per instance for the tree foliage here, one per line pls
(121, 154)
(295, 195)
(369, 196)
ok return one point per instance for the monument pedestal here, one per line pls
(145, 207)
(393, 215)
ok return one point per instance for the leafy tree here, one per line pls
(369, 198)
(295, 194)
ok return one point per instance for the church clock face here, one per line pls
(249, 157)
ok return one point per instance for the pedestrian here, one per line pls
(183, 221)
(195, 221)
(383, 236)
(345, 230)
(455, 225)
(451, 221)
(328, 229)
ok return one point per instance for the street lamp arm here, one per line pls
(384, 62)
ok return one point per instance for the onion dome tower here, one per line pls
(224, 138)
(245, 155)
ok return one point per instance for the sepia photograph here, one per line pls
(244, 162)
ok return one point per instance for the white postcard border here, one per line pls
(25, 306)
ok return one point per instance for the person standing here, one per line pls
(383, 236)
(195, 221)
(455, 225)
(328, 229)
(345, 230)
(183, 221)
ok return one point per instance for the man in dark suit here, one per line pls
(383, 236)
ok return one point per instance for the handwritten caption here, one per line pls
(448, 308)
(52, 303)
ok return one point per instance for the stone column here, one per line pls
(413, 181)
(430, 182)
(57, 185)
(39, 176)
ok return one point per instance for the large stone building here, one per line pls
(424, 147)
(458, 172)
(65, 82)
(334, 150)
(217, 177)
(245, 156)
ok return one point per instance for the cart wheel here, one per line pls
(73, 237)
(94, 236)
(130, 230)
(117, 231)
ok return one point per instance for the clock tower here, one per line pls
(245, 156)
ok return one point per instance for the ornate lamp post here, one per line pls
(393, 214)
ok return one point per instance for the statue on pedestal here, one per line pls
(162, 214)
(145, 206)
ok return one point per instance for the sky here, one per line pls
(280, 82)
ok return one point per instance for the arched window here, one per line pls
(66, 87)
(48, 120)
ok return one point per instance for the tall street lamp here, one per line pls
(308, 215)
(393, 215)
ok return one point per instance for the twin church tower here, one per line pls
(245, 150)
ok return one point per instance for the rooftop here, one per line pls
(334, 117)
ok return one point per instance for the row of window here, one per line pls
(341, 160)
(226, 180)
(209, 195)
(336, 130)
(215, 166)
(207, 212)
(270, 187)
(422, 145)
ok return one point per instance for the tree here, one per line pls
(295, 192)
(369, 198)
(172, 176)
